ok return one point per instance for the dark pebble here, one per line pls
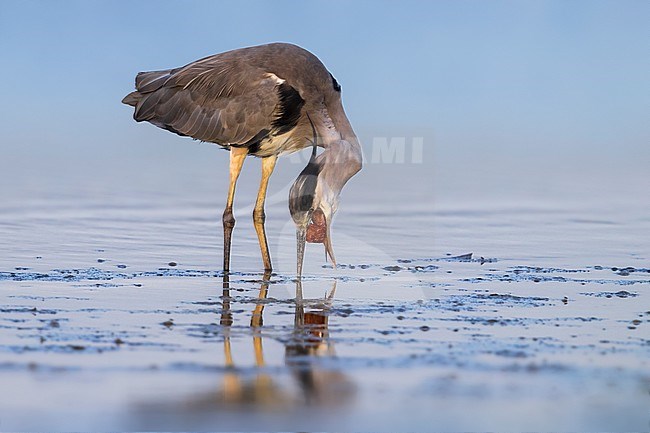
(172, 263)
(76, 347)
(119, 341)
(393, 268)
(101, 260)
(121, 266)
(168, 323)
(424, 328)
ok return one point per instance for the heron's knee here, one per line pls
(259, 216)
(228, 219)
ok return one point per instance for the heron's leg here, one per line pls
(268, 164)
(237, 156)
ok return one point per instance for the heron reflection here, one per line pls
(305, 349)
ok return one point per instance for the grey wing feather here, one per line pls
(209, 100)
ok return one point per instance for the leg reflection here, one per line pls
(232, 387)
(237, 391)
(264, 383)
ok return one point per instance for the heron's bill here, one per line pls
(301, 237)
(304, 235)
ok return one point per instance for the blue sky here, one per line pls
(524, 76)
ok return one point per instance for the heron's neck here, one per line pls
(342, 157)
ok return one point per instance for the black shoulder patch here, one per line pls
(335, 83)
(288, 110)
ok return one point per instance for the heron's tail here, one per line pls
(147, 82)
(132, 99)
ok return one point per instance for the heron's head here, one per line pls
(312, 204)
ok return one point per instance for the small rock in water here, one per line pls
(121, 266)
(172, 264)
(101, 260)
(168, 323)
(393, 268)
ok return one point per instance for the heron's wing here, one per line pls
(225, 101)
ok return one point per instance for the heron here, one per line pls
(265, 101)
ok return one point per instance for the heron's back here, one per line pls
(246, 97)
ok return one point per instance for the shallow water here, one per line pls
(464, 299)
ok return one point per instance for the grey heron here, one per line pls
(263, 101)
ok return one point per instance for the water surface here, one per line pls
(470, 295)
